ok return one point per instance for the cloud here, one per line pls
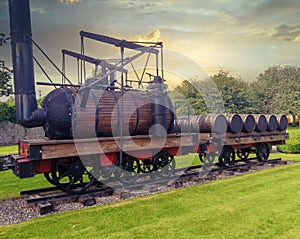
(70, 1)
(297, 38)
(152, 36)
(37, 9)
(286, 32)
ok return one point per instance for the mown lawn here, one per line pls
(11, 185)
(8, 149)
(264, 204)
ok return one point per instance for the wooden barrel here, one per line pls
(209, 123)
(272, 123)
(282, 122)
(290, 118)
(234, 122)
(206, 123)
(248, 123)
(102, 114)
(260, 123)
(181, 125)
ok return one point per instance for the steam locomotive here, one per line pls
(98, 130)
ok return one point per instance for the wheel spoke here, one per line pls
(262, 152)
(227, 156)
(71, 183)
(65, 176)
(129, 169)
(164, 163)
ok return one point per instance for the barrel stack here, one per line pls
(231, 123)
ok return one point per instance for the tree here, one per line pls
(218, 93)
(5, 80)
(278, 90)
(7, 110)
(3, 39)
(188, 93)
(5, 73)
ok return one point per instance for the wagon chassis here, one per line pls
(61, 160)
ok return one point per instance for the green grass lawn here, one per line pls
(8, 149)
(264, 204)
(11, 185)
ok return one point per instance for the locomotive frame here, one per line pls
(44, 156)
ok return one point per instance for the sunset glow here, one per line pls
(243, 37)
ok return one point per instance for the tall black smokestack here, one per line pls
(21, 46)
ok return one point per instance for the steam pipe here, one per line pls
(27, 112)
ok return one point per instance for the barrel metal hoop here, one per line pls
(137, 113)
(118, 109)
(172, 116)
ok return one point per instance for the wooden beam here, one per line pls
(52, 149)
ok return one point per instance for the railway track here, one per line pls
(183, 177)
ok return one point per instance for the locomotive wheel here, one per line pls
(227, 156)
(209, 158)
(129, 169)
(262, 152)
(49, 178)
(107, 171)
(202, 153)
(202, 156)
(243, 154)
(147, 166)
(164, 163)
(71, 176)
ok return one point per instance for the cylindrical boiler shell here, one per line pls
(103, 111)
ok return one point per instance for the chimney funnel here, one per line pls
(22, 57)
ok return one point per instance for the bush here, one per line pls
(7, 111)
(293, 143)
(289, 148)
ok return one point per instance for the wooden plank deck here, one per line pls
(50, 149)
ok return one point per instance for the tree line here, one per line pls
(276, 90)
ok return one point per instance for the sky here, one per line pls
(242, 37)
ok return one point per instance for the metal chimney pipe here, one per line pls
(22, 57)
